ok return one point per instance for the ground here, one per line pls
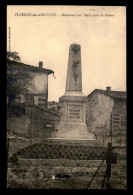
(40, 177)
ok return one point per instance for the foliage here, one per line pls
(18, 81)
(13, 56)
(17, 109)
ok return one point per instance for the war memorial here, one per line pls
(73, 103)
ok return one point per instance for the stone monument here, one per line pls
(73, 103)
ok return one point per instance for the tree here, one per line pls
(13, 56)
(18, 81)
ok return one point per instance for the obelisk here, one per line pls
(73, 103)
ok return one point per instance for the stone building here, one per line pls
(37, 121)
(106, 111)
(55, 106)
(38, 85)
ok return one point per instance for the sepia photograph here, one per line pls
(66, 97)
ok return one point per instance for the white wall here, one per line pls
(99, 108)
(39, 82)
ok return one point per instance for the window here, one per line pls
(122, 120)
(36, 100)
(118, 121)
(29, 99)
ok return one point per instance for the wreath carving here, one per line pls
(75, 66)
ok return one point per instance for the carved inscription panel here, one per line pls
(75, 112)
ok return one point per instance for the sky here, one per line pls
(100, 30)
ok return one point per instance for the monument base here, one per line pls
(73, 132)
(72, 125)
(74, 136)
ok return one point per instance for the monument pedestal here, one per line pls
(73, 120)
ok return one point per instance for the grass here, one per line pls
(40, 177)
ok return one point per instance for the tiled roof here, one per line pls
(113, 94)
(22, 66)
(41, 107)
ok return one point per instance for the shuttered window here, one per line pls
(118, 120)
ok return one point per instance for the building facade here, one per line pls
(37, 121)
(37, 88)
(106, 111)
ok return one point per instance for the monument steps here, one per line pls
(72, 127)
(74, 135)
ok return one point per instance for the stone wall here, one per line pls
(41, 123)
(119, 115)
(120, 106)
(99, 108)
(17, 124)
(37, 123)
(39, 81)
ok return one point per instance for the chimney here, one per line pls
(108, 89)
(40, 64)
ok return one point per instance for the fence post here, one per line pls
(120, 137)
(103, 139)
(111, 121)
(7, 150)
(108, 161)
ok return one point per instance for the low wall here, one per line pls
(67, 163)
(17, 124)
(60, 162)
